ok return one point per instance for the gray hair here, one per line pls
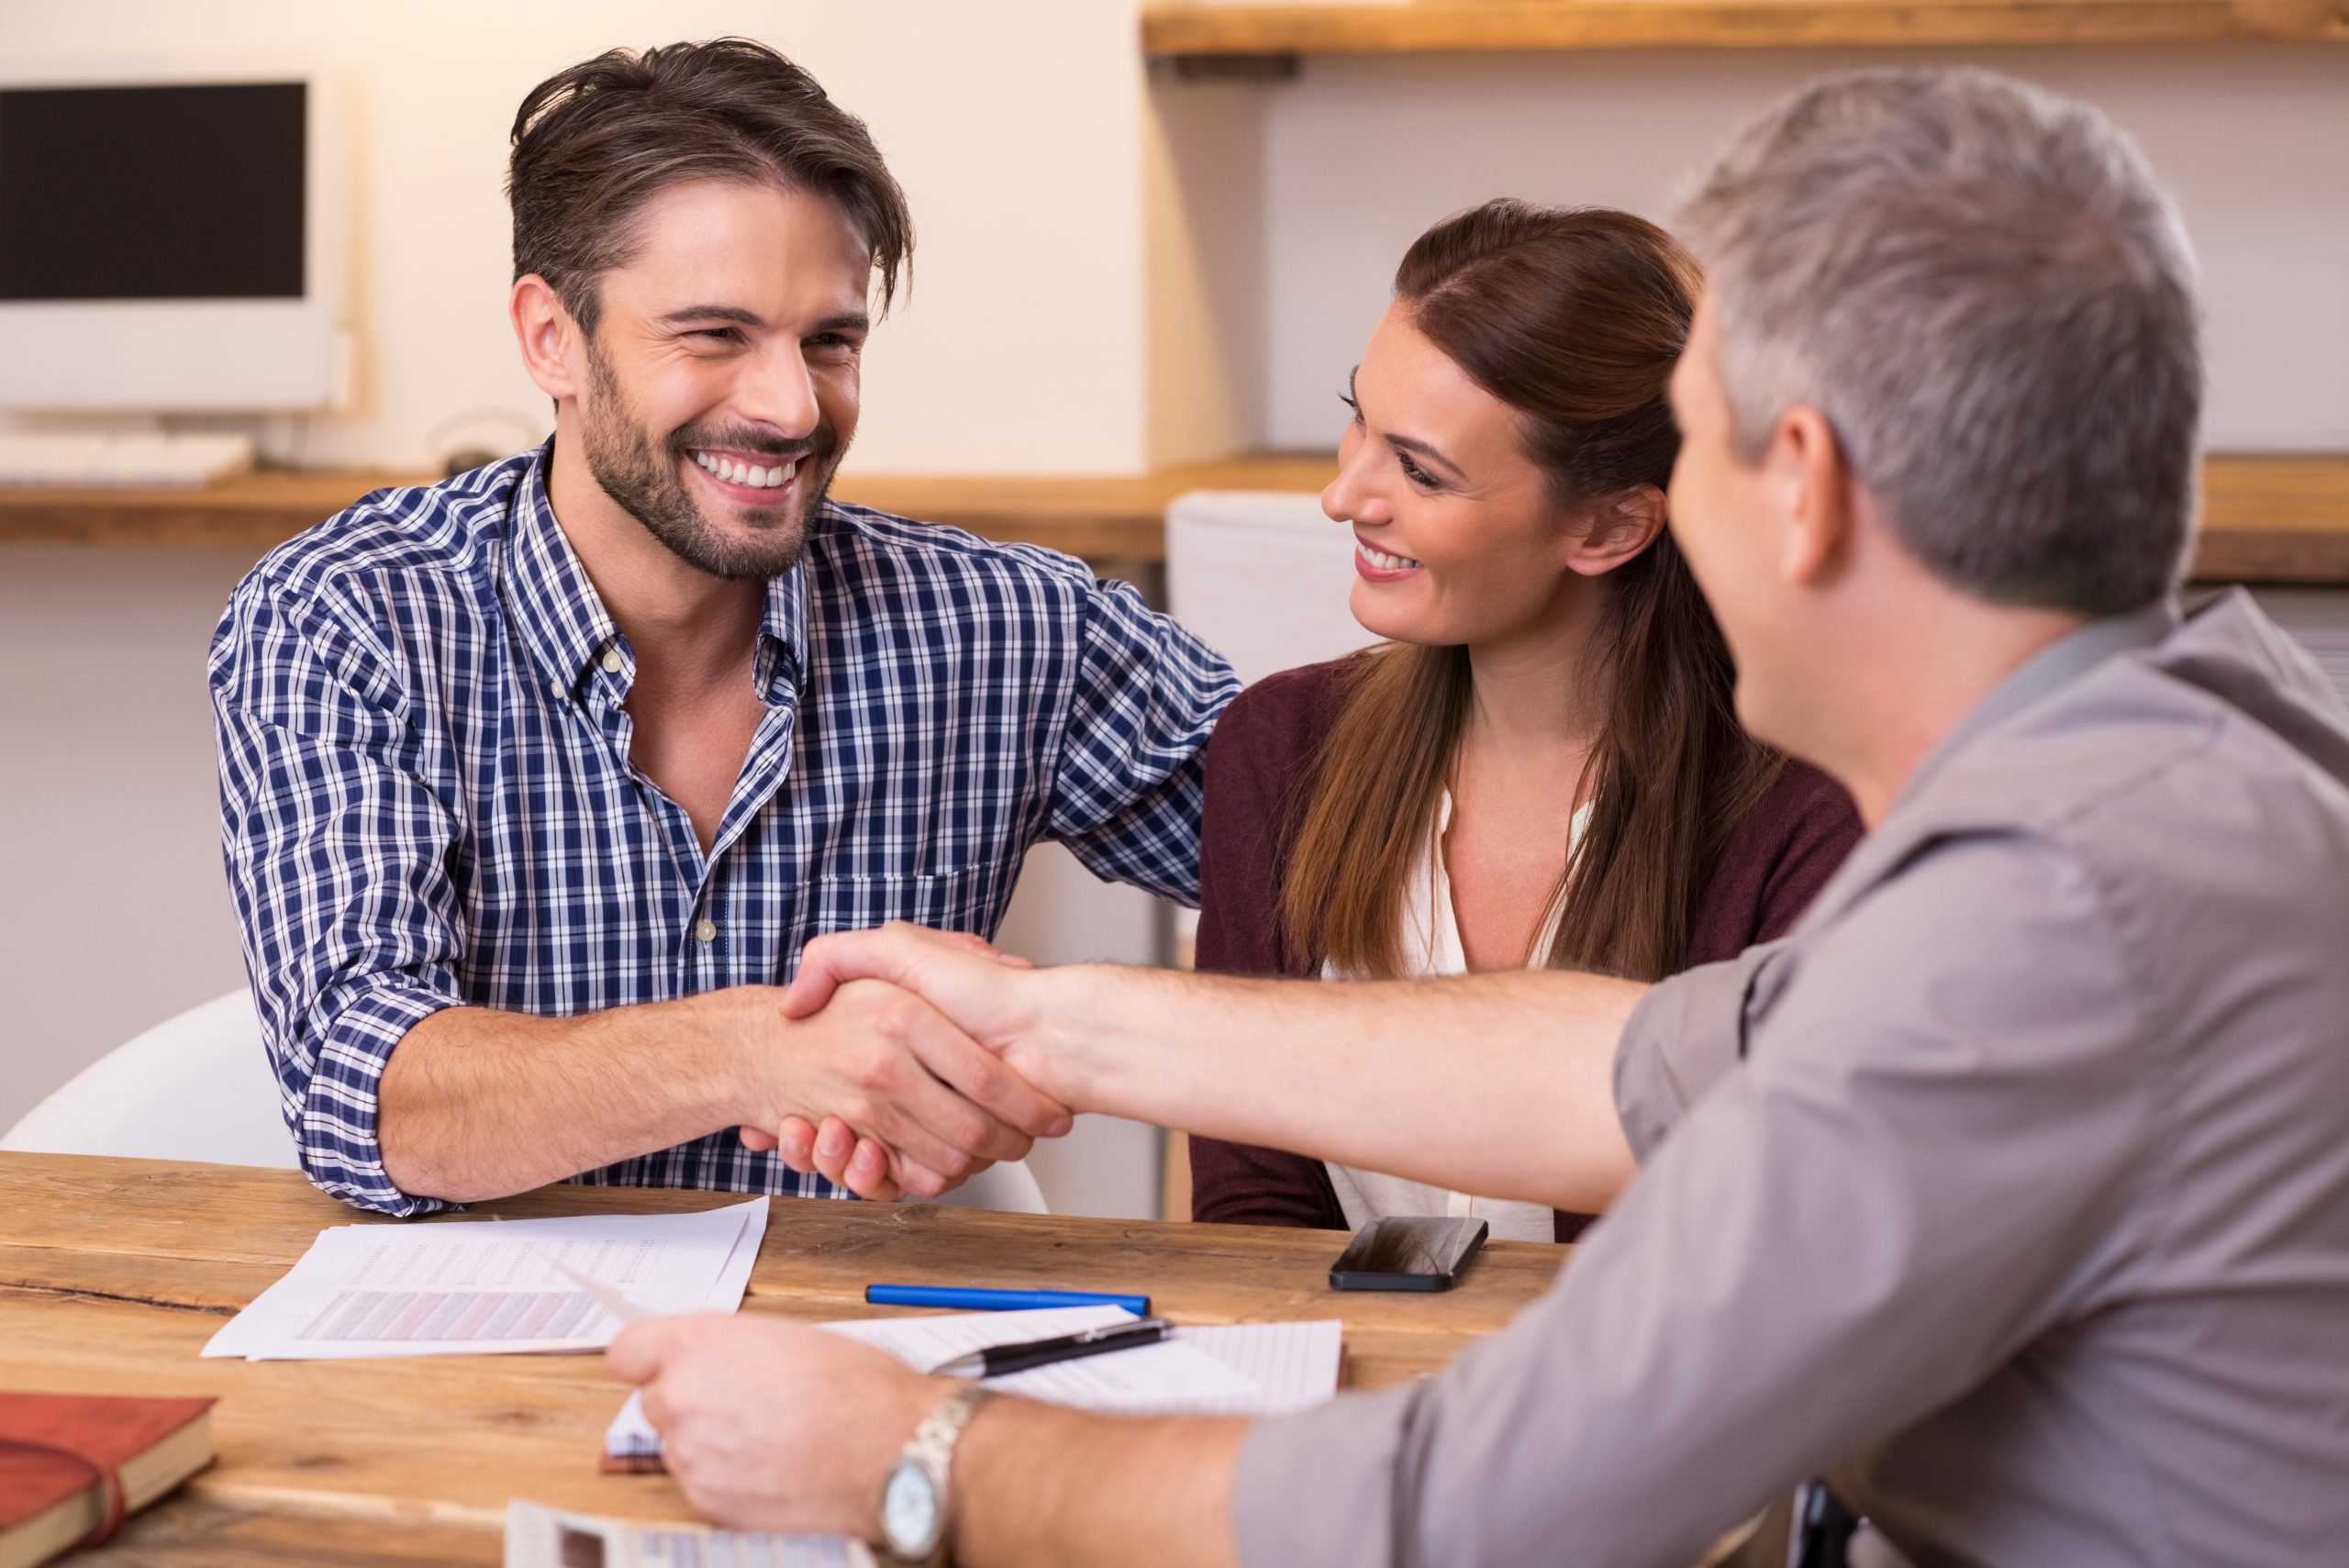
(1986, 293)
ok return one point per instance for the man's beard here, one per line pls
(646, 482)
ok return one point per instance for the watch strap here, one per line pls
(944, 1424)
(932, 1449)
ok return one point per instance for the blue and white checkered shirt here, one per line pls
(427, 799)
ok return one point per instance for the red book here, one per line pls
(72, 1465)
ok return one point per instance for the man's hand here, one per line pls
(772, 1425)
(844, 1153)
(989, 995)
(886, 1064)
(835, 1151)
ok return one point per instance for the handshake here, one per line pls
(918, 1059)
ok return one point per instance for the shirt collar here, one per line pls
(781, 665)
(570, 632)
(563, 620)
(2046, 672)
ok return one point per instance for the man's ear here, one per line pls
(1623, 525)
(1813, 487)
(549, 337)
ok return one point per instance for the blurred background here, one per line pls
(1152, 241)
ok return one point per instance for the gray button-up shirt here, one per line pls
(2010, 1190)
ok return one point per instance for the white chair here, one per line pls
(1008, 1189)
(199, 1087)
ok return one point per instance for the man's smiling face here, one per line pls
(721, 380)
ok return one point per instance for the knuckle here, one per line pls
(973, 1132)
(873, 1070)
(990, 1083)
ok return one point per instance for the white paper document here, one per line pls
(1294, 1366)
(1159, 1379)
(1241, 1369)
(480, 1287)
(538, 1537)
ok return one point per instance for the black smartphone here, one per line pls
(1408, 1253)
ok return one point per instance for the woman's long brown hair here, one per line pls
(1572, 317)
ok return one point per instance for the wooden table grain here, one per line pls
(114, 1273)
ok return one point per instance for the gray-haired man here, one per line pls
(2010, 1191)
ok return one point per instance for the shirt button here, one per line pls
(557, 688)
(706, 931)
(611, 660)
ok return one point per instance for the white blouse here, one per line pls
(1432, 946)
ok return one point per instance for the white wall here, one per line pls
(1014, 126)
(1364, 153)
(114, 910)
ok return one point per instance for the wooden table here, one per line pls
(114, 1273)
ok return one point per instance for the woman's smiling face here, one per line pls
(1457, 538)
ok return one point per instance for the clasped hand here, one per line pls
(930, 1102)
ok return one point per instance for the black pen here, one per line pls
(996, 1360)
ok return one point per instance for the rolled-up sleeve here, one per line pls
(1919, 1167)
(1131, 773)
(336, 848)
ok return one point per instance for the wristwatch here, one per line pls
(917, 1511)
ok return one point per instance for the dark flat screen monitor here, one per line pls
(183, 192)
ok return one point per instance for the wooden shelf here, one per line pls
(2267, 519)
(251, 512)
(2275, 519)
(1173, 29)
(1101, 519)
(1115, 519)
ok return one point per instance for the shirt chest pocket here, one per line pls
(969, 900)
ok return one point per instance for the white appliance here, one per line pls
(1264, 576)
(173, 243)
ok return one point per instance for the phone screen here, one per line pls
(1408, 1253)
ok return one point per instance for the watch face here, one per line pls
(910, 1512)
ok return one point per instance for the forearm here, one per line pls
(1040, 1484)
(480, 1104)
(1500, 1084)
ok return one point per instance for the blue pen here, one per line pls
(966, 1299)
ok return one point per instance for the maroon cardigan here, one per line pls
(1781, 856)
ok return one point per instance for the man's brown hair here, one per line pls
(592, 143)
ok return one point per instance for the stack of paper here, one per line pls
(539, 1537)
(1241, 1369)
(477, 1288)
